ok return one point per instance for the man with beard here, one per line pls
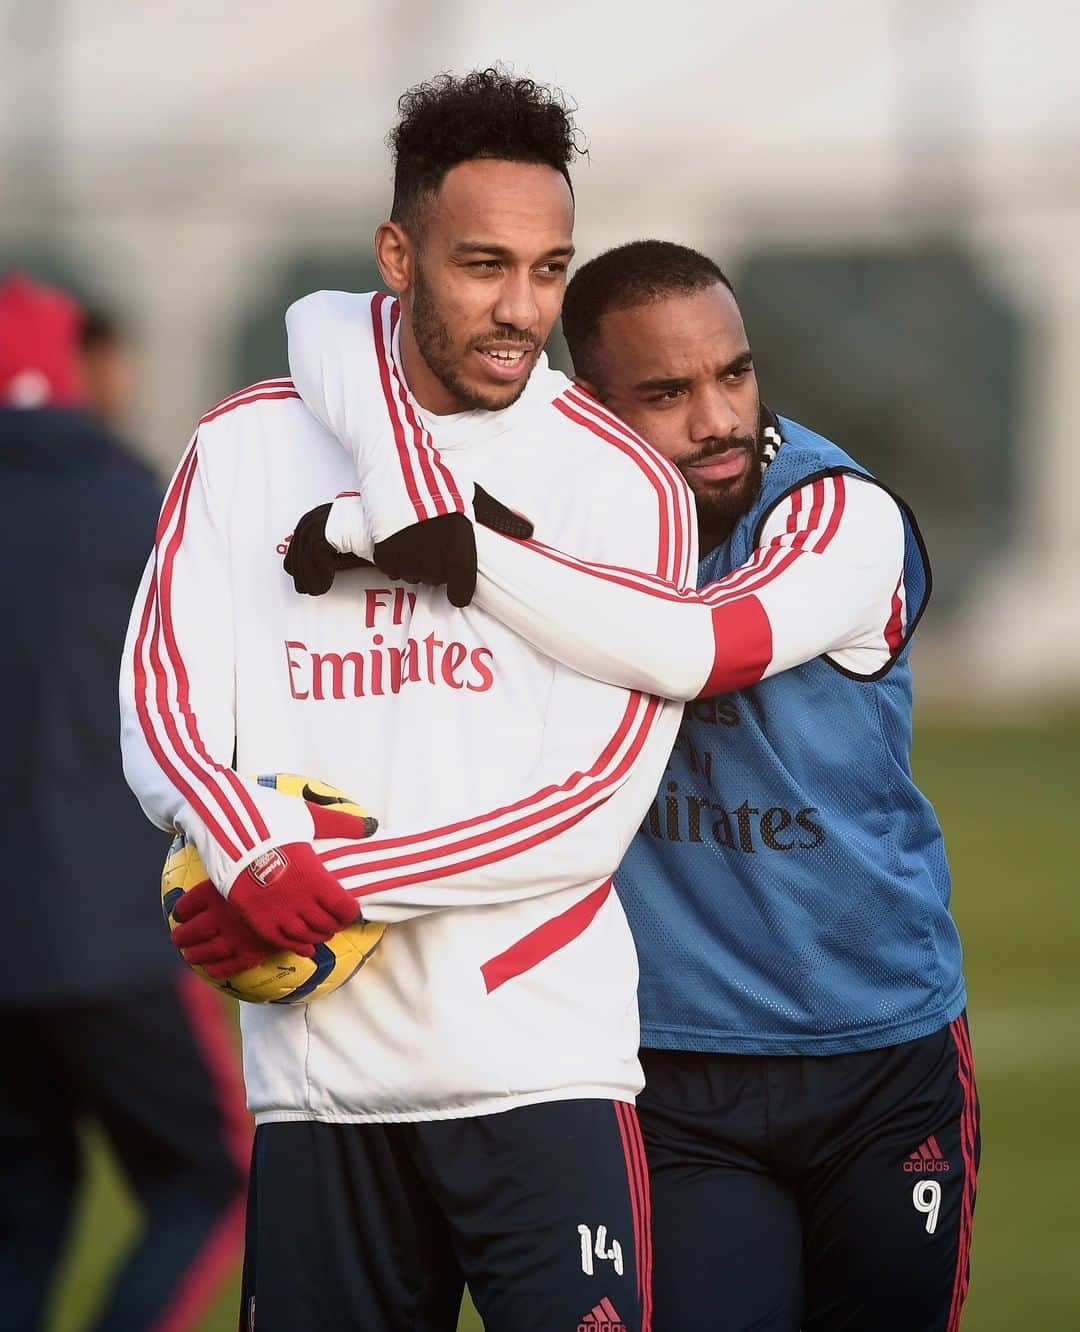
(810, 1113)
(471, 1091)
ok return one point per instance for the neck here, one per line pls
(716, 525)
(712, 534)
(424, 384)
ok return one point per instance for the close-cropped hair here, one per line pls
(487, 113)
(637, 273)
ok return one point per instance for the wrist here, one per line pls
(347, 528)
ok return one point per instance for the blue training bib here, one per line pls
(789, 890)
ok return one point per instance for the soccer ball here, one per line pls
(284, 978)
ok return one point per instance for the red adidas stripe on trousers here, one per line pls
(965, 1072)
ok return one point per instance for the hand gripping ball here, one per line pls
(283, 978)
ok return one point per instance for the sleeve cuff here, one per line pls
(347, 528)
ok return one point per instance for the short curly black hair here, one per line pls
(637, 273)
(486, 113)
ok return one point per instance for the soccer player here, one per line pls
(103, 1025)
(471, 1090)
(809, 1073)
(810, 1112)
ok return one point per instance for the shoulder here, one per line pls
(261, 430)
(265, 391)
(837, 511)
(260, 415)
(599, 438)
(322, 313)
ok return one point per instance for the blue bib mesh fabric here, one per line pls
(788, 890)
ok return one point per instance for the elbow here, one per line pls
(675, 681)
(742, 647)
(140, 774)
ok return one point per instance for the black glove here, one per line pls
(443, 550)
(436, 551)
(311, 561)
(490, 513)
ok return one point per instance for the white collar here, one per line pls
(460, 430)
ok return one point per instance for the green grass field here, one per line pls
(1005, 797)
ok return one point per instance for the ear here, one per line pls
(395, 255)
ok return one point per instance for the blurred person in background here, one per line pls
(102, 1022)
(109, 368)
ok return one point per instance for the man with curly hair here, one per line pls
(468, 1098)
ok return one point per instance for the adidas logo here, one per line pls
(602, 1318)
(927, 1159)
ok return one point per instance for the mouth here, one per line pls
(726, 466)
(506, 362)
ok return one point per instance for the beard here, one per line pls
(720, 504)
(436, 346)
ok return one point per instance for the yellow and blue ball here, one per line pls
(284, 978)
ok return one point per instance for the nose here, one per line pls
(516, 306)
(713, 415)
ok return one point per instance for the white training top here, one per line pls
(507, 785)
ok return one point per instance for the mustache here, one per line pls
(714, 447)
(514, 335)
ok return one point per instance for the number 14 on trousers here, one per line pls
(612, 1254)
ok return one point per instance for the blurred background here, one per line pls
(894, 188)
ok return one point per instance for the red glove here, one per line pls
(212, 934)
(288, 897)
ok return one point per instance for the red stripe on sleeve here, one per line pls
(793, 511)
(164, 711)
(142, 693)
(743, 646)
(576, 807)
(435, 471)
(150, 643)
(665, 564)
(665, 478)
(261, 386)
(422, 453)
(176, 660)
(839, 492)
(411, 488)
(231, 404)
(424, 449)
(431, 873)
(498, 816)
(894, 630)
(817, 503)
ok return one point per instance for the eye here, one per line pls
(740, 373)
(553, 268)
(484, 265)
(669, 395)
